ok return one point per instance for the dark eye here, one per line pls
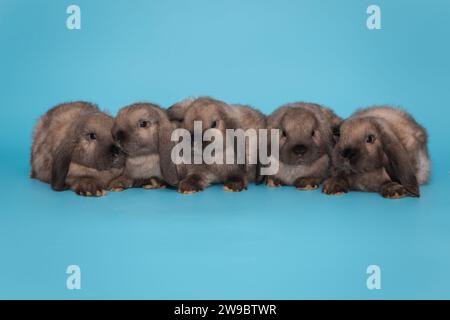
(214, 124)
(313, 133)
(283, 134)
(92, 136)
(143, 124)
(370, 139)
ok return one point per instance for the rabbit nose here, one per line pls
(119, 135)
(300, 149)
(349, 153)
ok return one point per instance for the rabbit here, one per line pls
(143, 132)
(73, 148)
(176, 111)
(306, 141)
(221, 116)
(380, 149)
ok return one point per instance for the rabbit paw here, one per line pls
(120, 184)
(235, 184)
(88, 187)
(393, 190)
(335, 186)
(190, 185)
(307, 183)
(153, 183)
(274, 182)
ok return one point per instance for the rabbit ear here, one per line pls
(165, 146)
(259, 178)
(61, 163)
(274, 122)
(229, 121)
(399, 168)
(335, 129)
(176, 112)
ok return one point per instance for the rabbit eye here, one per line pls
(283, 134)
(313, 133)
(92, 136)
(143, 124)
(214, 124)
(370, 139)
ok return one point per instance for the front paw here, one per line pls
(88, 187)
(393, 190)
(307, 183)
(235, 184)
(119, 184)
(190, 185)
(274, 182)
(153, 183)
(335, 186)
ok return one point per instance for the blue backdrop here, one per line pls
(263, 243)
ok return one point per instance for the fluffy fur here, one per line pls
(306, 141)
(73, 148)
(221, 116)
(143, 132)
(380, 149)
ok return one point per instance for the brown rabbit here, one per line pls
(176, 111)
(73, 148)
(143, 131)
(380, 149)
(217, 115)
(306, 141)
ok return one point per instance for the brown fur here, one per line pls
(143, 131)
(217, 114)
(380, 149)
(65, 154)
(306, 140)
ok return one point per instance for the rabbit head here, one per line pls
(366, 144)
(304, 137)
(89, 143)
(143, 129)
(136, 128)
(212, 113)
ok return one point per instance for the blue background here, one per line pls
(263, 243)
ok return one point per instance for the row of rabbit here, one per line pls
(379, 149)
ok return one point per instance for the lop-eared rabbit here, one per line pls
(380, 149)
(216, 114)
(306, 141)
(73, 148)
(143, 131)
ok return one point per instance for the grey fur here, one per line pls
(143, 131)
(306, 141)
(212, 112)
(380, 149)
(65, 153)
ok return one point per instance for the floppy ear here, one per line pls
(165, 146)
(274, 121)
(61, 163)
(336, 133)
(399, 168)
(176, 112)
(230, 122)
(259, 178)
